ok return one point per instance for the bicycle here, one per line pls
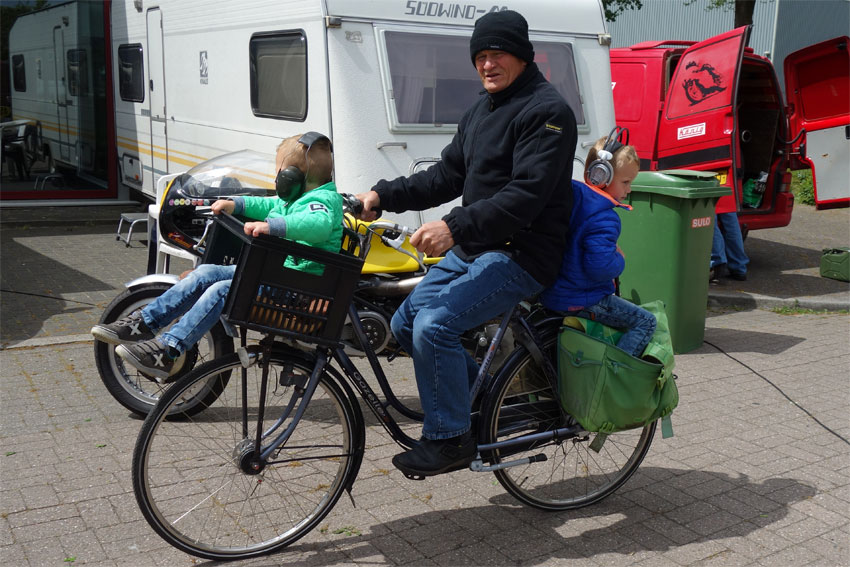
(261, 466)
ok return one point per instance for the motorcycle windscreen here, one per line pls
(698, 120)
(817, 84)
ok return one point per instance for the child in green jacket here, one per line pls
(308, 210)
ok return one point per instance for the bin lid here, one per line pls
(682, 183)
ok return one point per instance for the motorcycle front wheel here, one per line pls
(134, 390)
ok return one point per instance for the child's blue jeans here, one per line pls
(199, 298)
(616, 312)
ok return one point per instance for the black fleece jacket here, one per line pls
(512, 161)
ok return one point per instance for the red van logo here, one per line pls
(704, 82)
(691, 131)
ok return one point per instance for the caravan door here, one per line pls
(697, 128)
(62, 101)
(156, 95)
(817, 84)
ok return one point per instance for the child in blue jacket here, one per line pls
(592, 260)
(308, 210)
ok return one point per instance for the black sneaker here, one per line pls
(430, 458)
(716, 272)
(151, 358)
(130, 329)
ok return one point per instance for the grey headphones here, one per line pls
(600, 173)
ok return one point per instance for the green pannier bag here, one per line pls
(608, 390)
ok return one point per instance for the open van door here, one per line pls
(698, 123)
(817, 84)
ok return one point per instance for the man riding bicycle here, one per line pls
(511, 162)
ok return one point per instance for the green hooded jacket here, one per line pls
(314, 219)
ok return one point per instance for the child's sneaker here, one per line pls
(130, 329)
(151, 358)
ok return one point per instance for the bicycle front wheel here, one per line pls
(190, 475)
(566, 472)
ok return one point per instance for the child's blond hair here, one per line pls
(623, 155)
(317, 163)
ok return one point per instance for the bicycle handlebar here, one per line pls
(353, 205)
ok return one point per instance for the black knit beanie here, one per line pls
(504, 31)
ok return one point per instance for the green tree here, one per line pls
(614, 8)
(743, 8)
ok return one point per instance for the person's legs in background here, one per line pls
(718, 253)
(736, 257)
(727, 249)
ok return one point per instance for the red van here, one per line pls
(716, 106)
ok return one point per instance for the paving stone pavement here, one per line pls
(758, 472)
(57, 280)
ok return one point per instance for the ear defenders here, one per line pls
(290, 182)
(600, 173)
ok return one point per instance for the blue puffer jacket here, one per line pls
(591, 261)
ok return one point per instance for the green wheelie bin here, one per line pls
(666, 239)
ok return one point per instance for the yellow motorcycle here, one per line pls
(391, 270)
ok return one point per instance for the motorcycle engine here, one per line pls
(377, 330)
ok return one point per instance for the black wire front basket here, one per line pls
(286, 288)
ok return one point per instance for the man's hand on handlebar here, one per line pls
(223, 205)
(256, 228)
(371, 206)
(433, 238)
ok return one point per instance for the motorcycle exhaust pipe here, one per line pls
(393, 288)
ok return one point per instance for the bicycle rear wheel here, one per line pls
(573, 474)
(191, 479)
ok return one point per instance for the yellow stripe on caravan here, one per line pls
(139, 142)
(135, 145)
(53, 126)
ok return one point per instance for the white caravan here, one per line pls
(54, 54)
(387, 80)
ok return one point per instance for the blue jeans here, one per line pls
(727, 247)
(199, 297)
(619, 313)
(453, 297)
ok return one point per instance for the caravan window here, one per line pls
(78, 73)
(19, 74)
(131, 76)
(434, 82)
(557, 64)
(279, 75)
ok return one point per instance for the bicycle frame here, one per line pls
(525, 334)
